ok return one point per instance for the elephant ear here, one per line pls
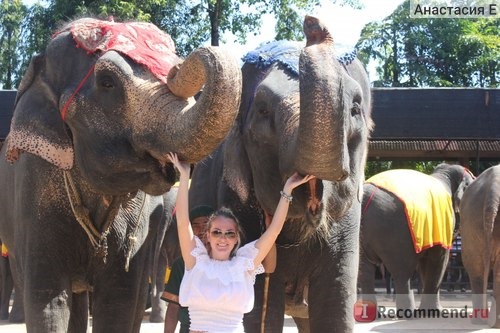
(237, 173)
(36, 126)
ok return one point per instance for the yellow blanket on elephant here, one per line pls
(4, 252)
(427, 203)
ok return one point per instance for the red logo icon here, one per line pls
(365, 311)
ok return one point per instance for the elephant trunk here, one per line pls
(195, 129)
(321, 143)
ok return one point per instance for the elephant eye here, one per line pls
(263, 111)
(356, 109)
(107, 82)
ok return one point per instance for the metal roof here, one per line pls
(418, 123)
(434, 149)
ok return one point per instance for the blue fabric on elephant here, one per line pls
(286, 53)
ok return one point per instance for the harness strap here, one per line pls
(80, 85)
(369, 200)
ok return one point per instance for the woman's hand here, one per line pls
(295, 180)
(183, 167)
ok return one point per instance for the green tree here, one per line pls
(190, 23)
(194, 23)
(11, 15)
(432, 52)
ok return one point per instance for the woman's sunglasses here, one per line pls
(219, 234)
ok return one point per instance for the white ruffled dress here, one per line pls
(218, 293)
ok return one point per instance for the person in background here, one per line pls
(218, 279)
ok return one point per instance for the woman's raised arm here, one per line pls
(266, 241)
(184, 229)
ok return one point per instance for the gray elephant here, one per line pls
(302, 110)
(95, 116)
(407, 224)
(480, 230)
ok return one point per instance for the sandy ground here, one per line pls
(382, 326)
(433, 325)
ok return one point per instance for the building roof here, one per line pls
(434, 149)
(435, 123)
(410, 123)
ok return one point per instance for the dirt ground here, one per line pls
(382, 325)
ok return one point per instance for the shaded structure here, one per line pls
(460, 124)
(435, 124)
(7, 98)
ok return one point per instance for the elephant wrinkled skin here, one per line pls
(480, 230)
(314, 121)
(82, 197)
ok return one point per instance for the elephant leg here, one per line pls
(332, 289)
(432, 266)
(78, 321)
(302, 324)
(402, 272)
(494, 314)
(366, 280)
(47, 303)
(17, 312)
(477, 268)
(478, 284)
(275, 309)
(119, 299)
(158, 306)
(404, 293)
(6, 287)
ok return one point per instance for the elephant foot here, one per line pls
(157, 317)
(478, 321)
(4, 316)
(16, 319)
(302, 324)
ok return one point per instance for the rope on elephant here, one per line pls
(79, 211)
(97, 239)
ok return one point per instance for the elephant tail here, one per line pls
(490, 211)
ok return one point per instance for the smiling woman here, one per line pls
(217, 286)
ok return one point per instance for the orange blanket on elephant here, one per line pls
(427, 203)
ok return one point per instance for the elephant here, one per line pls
(302, 110)
(480, 230)
(387, 238)
(85, 165)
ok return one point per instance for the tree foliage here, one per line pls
(191, 23)
(11, 15)
(433, 52)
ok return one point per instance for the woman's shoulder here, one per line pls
(200, 250)
(248, 250)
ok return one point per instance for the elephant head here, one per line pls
(457, 178)
(302, 110)
(113, 99)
